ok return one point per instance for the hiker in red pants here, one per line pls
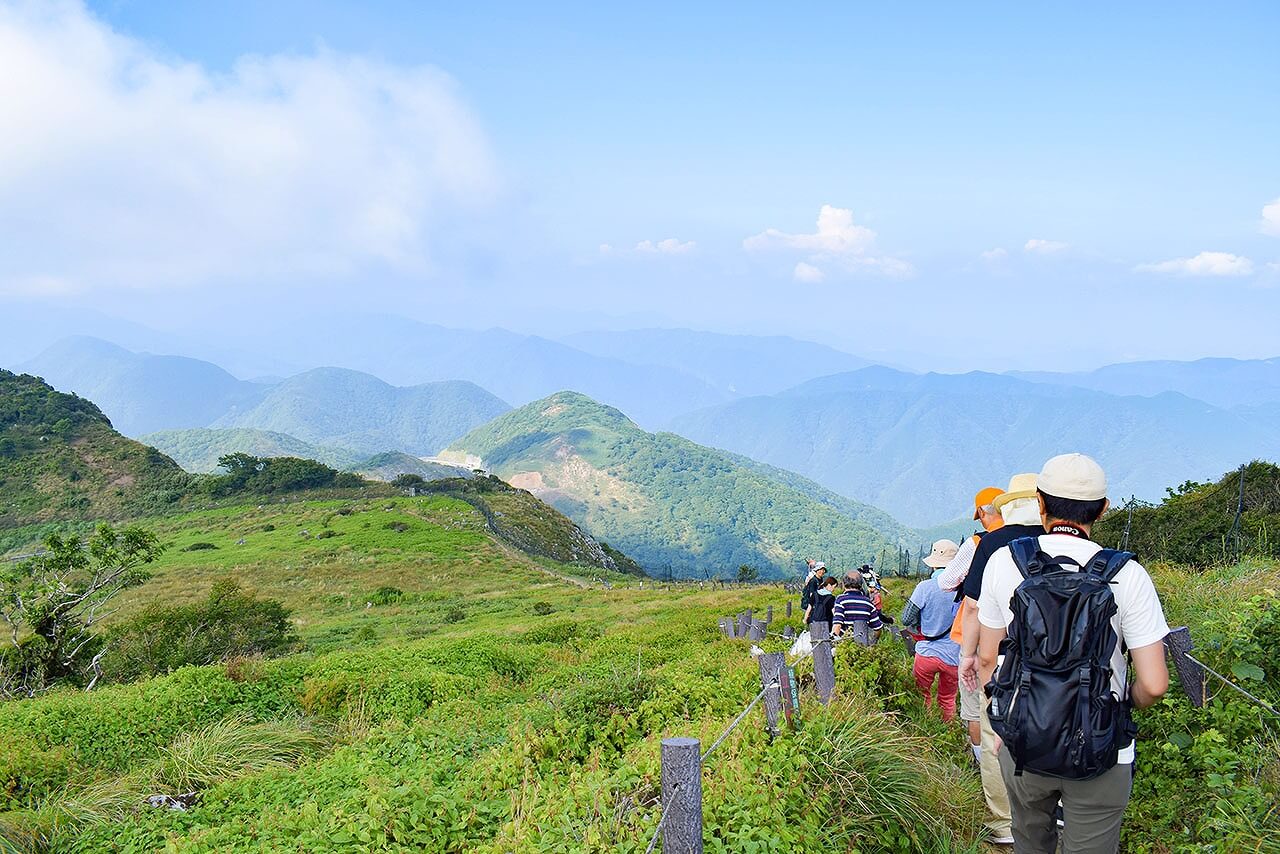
(930, 612)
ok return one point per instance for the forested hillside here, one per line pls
(198, 449)
(673, 505)
(348, 409)
(61, 459)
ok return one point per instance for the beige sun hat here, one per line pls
(1073, 476)
(943, 552)
(1020, 486)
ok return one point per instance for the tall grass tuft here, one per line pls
(875, 775)
(231, 748)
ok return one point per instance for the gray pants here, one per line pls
(1092, 810)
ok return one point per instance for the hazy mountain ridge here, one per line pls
(664, 500)
(1221, 382)
(198, 449)
(349, 409)
(141, 392)
(919, 445)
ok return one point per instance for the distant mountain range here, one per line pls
(918, 446)
(349, 409)
(198, 449)
(671, 504)
(142, 393)
(1222, 382)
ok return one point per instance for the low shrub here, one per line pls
(230, 622)
(386, 595)
(199, 547)
(541, 609)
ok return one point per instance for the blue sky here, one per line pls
(1005, 168)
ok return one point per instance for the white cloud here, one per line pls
(1204, 264)
(997, 254)
(670, 246)
(1271, 219)
(807, 273)
(837, 239)
(120, 166)
(1044, 247)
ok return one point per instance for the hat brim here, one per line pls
(935, 562)
(975, 514)
(1005, 498)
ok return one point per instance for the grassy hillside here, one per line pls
(669, 503)
(348, 409)
(919, 446)
(457, 695)
(61, 459)
(198, 449)
(140, 392)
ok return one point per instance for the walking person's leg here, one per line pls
(1032, 798)
(1093, 811)
(922, 669)
(948, 685)
(993, 788)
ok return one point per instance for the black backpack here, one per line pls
(1051, 698)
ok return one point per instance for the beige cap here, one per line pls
(1073, 476)
(1020, 486)
(943, 552)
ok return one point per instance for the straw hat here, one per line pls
(943, 552)
(1020, 486)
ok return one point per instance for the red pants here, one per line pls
(925, 669)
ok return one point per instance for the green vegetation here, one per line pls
(251, 475)
(673, 505)
(1195, 523)
(391, 464)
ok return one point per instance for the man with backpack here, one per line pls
(1060, 611)
(812, 582)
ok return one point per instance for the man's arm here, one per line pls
(953, 576)
(911, 615)
(969, 626)
(1151, 675)
(988, 650)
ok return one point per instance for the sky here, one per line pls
(942, 186)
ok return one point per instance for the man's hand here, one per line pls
(968, 672)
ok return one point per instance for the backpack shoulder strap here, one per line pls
(1027, 556)
(1108, 562)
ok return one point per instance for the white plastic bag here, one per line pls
(803, 645)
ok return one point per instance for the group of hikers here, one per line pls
(1026, 626)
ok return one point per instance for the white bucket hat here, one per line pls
(943, 552)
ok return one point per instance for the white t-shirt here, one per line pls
(1138, 621)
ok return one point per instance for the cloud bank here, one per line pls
(1044, 247)
(123, 168)
(1204, 264)
(838, 241)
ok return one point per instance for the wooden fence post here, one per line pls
(771, 664)
(824, 666)
(726, 626)
(757, 630)
(682, 795)
(788, 633)
(1190, 674)
(744, 623)
(788, 607)
(768, 615)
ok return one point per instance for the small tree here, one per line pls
(408, 481)
(54, 601)
(747, 572)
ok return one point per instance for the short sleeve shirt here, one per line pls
(937, 611)
(1139, 619)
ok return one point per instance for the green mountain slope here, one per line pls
(669, 503)
(61, 459)
(348, 409)
(198, 449)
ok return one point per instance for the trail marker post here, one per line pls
(682, 796)
(824, 666)
(1190, 674)
(788, 607)
(771, 670)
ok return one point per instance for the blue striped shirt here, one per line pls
(852, 605)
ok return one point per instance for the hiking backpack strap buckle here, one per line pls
(1108, 562)
(1026, 556)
